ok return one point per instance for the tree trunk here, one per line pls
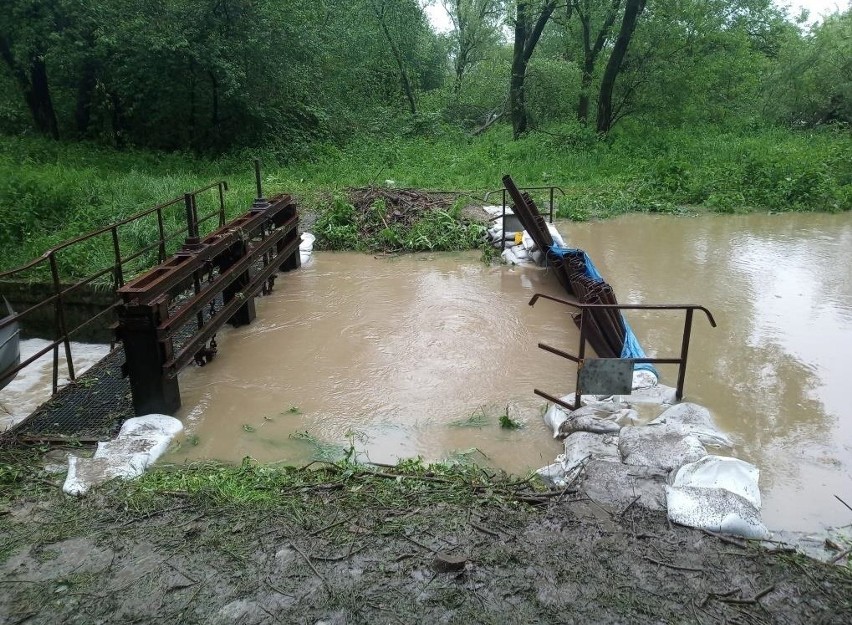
(403, 72)
(526, 39)
(39, 100)
(33, 83)
(632, 12)
(517, 101)
(85, 89)
(591, 51)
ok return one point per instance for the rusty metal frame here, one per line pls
(154, 316)
(583, 324)
(62, 333)
(551, 189)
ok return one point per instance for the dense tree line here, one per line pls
(214, 75)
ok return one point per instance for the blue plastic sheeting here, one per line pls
(632, 348)
(591, 270)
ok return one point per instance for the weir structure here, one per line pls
(228, 268)
(206, 272)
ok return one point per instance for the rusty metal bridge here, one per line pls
(208, 272)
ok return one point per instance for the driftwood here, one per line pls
(492, 119)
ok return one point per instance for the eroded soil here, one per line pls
(343, 551)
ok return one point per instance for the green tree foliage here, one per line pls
(213, 74)
(811, 83)
(26, 27)
(217, 76)
(700, 61)
(475, 32)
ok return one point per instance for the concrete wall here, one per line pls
(81, 305)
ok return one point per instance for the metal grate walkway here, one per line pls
(90, 409)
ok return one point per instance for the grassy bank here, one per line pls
(51, 191)
(352, 544)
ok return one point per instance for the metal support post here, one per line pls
(154, 392)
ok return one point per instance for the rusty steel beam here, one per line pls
(188, 351)
(148, 325)
(181, 266)
(212, 289)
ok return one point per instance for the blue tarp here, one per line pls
(632, 348)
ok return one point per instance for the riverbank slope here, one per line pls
(352, 544)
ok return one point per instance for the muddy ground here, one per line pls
(341, 547)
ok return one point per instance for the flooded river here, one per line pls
(420, 355)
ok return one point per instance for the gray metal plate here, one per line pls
(606, 376)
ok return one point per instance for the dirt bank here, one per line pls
(211, 544)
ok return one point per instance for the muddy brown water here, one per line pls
(419, 355)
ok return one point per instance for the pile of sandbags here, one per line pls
(658, 460)
(517, 245)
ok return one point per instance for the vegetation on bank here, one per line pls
(207, 543)
(630, 105)
(51, 191)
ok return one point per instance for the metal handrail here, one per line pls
(580, 357)
(63, 334)
(550, 188)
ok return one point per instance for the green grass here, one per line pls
(52, 191)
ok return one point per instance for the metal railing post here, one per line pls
(60, 322)
(257, 181)
(119, 274)
(162, 232)
(223, 186)
(503, 223)
(581, 355)
(192, 237)
(551, 204)
(684, 350)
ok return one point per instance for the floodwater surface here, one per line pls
(420, 355)
(398, 357)
(33, 384)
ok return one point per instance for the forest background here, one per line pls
(110, 106)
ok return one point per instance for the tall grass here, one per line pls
(52, 191)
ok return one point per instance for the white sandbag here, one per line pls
(618, 485)
(307, 242)
(710, 437)
(509, 257)
(587, 423)
(617, 413)
(658, 446)
(553, 475)
(554, 233)
(686, 412)
(527, 242)
(689, 418)
(660, 394)
(715, 509)
(583, 446)
(496, 210)
(598, 419)
(553, 418)
(642, 378)
(732, 474)
(140, 442)
(602, 400)
(306, 248)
